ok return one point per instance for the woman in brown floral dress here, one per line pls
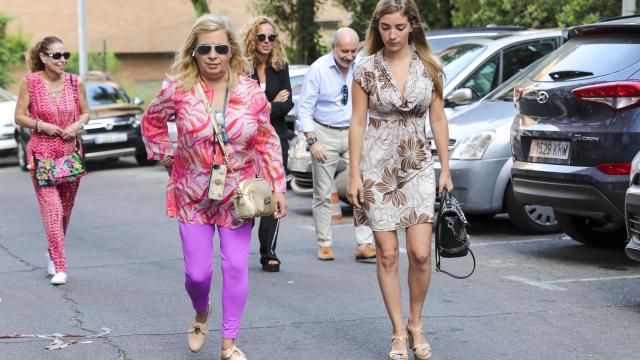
(391, 181)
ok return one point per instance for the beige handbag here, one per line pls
(253, 197)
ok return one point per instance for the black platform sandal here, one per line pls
(266, 266)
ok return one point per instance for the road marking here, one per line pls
(509, 242)
(549, 285)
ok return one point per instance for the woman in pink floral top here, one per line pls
(212, 57)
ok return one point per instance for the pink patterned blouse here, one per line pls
(252, 140)
(62, 112)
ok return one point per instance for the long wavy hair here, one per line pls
(373, 41)
(185, 68)
(33, 57)
(278, 57)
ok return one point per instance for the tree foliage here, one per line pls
(200, 6)
(435, 14)
(12, 50)
(95, 62)
(297, 19)
(530, 14)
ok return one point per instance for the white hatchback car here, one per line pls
(8, 143)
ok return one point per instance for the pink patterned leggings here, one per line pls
(56, 203)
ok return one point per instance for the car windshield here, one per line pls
(504, 92)
(296, 84)
(105, 94)
(575, 59)
(457, 58)
(5, 95)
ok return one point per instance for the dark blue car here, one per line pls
(577, 129)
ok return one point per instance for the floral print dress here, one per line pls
(396, 166)
(253, 147)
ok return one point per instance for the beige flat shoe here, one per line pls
(398, 354)
(420, 351)
(197, 334)
(232, 354)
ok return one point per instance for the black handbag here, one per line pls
(452, 237)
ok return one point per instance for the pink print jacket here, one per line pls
(252, 140)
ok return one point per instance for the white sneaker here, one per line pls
(51, 268)
(59, 279)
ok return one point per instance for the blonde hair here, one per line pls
(33, 59)
(277, 58)
(185, 68)
(373, 41)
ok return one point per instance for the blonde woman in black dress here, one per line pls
(391, 173)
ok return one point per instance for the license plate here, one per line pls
(110, 138)
(299, 165)
(550, 149)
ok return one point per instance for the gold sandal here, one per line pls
(398, 354)
(420, 351)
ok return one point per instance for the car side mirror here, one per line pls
(138, 100)
(462, 96)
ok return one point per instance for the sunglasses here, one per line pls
(345, 95)
(58, 55)
(263, 37)
(222, 49)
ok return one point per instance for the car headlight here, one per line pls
(473, 147)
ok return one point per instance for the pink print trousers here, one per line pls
(197, 248)
(55, 204)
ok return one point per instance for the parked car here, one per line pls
(7, 124)
(632, 210)
(472, 69)
(480, 148)
(577, 129)
(114, 128)
(296, 75)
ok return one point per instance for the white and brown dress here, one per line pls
(396, 166)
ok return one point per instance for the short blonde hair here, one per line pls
(277, 57)
(185, 68)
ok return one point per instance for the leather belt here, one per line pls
(331, 126)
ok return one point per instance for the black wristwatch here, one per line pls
(312, 140)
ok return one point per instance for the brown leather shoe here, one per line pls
(365, 252)
(326, 253)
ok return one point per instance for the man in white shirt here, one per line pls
(324, 115)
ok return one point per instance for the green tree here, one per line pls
(297, 19)
(435, 14)
(201, 7)
(12, 49)
(530, 14)
(95, 62)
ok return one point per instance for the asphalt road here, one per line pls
(532, 297)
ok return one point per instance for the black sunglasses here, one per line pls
(345, 95)
(263, 37)
(221, 49)
(58, 55)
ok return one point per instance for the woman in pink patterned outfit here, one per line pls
(212, 57)
(53, 104)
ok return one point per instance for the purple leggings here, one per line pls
(197, 247)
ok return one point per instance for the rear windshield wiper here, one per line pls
(568, 74)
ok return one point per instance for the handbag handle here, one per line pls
(446, 199)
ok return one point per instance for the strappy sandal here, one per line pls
(420, 351)
(267, 266)
(398, 354)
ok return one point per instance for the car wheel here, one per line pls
(142, 160)
(22, 154)
(591, 231)
(535, 219)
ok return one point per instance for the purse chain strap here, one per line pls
(216, 131)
